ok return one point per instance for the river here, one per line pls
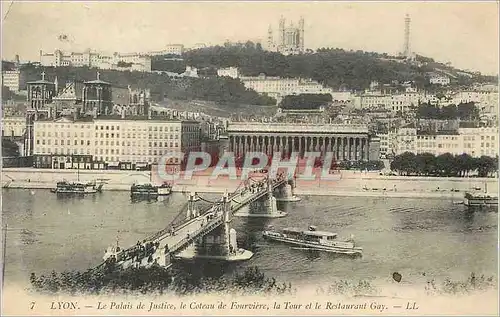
(419, 238)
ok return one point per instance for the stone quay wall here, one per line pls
(347, 183)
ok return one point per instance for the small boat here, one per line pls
(480, 200)
(164, 189)
(76, 188)
(150, 191)
(485, 199)
(313, 239)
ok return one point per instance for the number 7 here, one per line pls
(32, 305)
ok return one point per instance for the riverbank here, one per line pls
(348, 183)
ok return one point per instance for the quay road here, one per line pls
(177, 237)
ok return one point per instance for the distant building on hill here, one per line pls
(439, 79)
(171, 49)
(290, 38)
(116, 61)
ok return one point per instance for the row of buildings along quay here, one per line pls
(80, 126)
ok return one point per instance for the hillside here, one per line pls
(220, 110)
(219, 90)
(337, 68)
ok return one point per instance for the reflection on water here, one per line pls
(409, 236)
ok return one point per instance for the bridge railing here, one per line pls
(210, 225)
(192, 236)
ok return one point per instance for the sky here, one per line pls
(463, 33)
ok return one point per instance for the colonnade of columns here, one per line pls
(344, 148)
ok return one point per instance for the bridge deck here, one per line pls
(181, 236)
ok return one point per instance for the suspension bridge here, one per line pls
(206, 233)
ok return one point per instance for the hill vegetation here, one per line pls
(221, 90)
(463, 111)
(334, 67)
(305, 101)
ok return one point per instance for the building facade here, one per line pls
(111, 140)
(347, 142)
(228, 72)
(278, 87)
(438, 79)
(13, 126)
(171, 49)
(40, 94)
(133, 61)
(473, 141)
(404, 102)
(15, 80)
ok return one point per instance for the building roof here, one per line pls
(98, 81)
(311, 233)
(41, 81)
(440, 132)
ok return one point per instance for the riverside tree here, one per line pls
(444, 165)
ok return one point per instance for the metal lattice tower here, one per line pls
(406, 50)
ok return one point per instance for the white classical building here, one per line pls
(113, 140)
(132, 61)
(278, 87)
(172, 49)
(403, 102)
(228, 72)
(348, 142)
(14, 126)
(473, 141)
(439, 79)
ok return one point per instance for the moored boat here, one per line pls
(76, 188)
(150, 191)
(480, 200)
(314, 239)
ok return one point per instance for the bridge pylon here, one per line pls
(286, 192)
(220, 243)
(192, 211)
(264, 207)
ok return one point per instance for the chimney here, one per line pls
(149, 114)
(75, 115)
(123, 113)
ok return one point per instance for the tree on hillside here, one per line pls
(305, 101)
(333, 67)
(464, 111)
(9, 148)
(163, 63)
(223, 90)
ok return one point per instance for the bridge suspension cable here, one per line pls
(209, 201)
(173, 222)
